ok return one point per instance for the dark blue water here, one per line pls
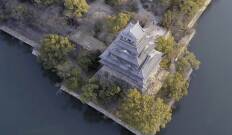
(29, 104)
(207, 109)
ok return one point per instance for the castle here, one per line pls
(131, 58)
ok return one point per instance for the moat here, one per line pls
(30, 105)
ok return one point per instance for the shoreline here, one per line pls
(103, 111)
(199, 14)
(19, 36)
(36, 45)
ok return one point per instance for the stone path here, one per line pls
(19, 36)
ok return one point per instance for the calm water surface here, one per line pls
(29, 104)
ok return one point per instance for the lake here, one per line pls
(30, 104)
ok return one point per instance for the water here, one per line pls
(207, 109)
(29, 104)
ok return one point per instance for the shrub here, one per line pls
(73, 80)
(144, 113)
(76, 8)
(118, 22)
(54, 51)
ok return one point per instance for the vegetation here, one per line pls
(89, 61)
(168, 19)
(165, 63)
(18, 12)
(76, 8)
(73, 80)
(109, 94)
(186, 62)
(144, 112)
(165, 44)
(54, 51)
(102, 94)
(176, 86)
(113, 2)
(44, 2)
(179, 13)
(194, 62)
(118, 22)
(89, 91)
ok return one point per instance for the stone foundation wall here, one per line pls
(107, 76)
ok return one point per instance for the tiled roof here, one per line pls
(132, 53)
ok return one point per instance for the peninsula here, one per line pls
(128, 59)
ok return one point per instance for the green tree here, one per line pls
(168, 19)
(165, 44)
(118, 22)
(188, 7)
(54, 51)
(109, 94)
(63, 70)
(183, 66)
(76, 8)
(89, 61)
(200, 3)
(165, 63)
(89, 91)
(113, 2)
(44, 2)
(164, 2)
(187, 61)
(144, 113)
(73, 80)
(194, 62)
(176, 86)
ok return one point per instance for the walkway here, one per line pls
(22, 38)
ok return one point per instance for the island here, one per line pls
(128, 59)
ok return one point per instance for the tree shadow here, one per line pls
(93, 116)
(124, 131)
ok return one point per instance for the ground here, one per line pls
(37, 21)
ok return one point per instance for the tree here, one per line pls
(188, 7)
(54, 51)
(89, 91)
(200, 3)
(73, 80)
(194, 62)
(164, 2)
(44, 2)
(118, 22)
(176, 86)
(19, 12)
(168, 19)
(63, 70)
(165, 45)
(165, 63)
(89, 61)
(109, 94)
(186, 62)
(76, 8)
(144, 112)
(183, 65)
(113, 2)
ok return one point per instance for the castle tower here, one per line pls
(131, 58)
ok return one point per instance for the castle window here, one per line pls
(125, 51)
